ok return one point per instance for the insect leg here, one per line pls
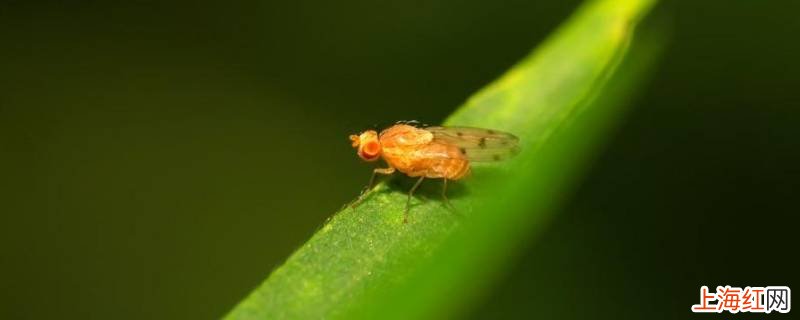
(411, 193)
(384, 171)
(444, 196)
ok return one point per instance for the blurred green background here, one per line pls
(159, 159)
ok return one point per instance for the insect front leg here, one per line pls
(383, 171)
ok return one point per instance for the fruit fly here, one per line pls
(432, 152)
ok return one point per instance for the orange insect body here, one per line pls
(433, 152)
(412, 151)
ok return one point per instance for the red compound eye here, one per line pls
(371, 150)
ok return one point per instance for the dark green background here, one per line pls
(157, 160)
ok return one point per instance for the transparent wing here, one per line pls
(478, 144)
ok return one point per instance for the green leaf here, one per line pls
(561, 100)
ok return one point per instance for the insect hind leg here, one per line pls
(444, 196)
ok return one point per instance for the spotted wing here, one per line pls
(477, 144)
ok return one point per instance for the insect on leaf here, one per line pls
(561, 100)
